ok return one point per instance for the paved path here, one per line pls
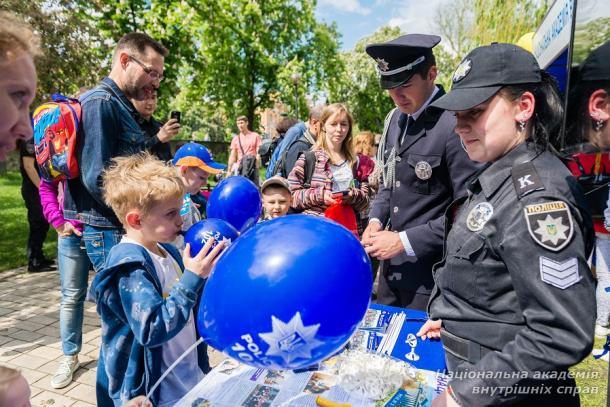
(29, 338)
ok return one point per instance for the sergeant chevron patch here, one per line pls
(561, 274)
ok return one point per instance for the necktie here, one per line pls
(405, 127)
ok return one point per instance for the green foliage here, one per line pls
(467, 24)
(170, 22)
(227, 57)
(358, 86)
(592, 378)
(589, 36)
(70, 43)
(14, 230)
(251, 48)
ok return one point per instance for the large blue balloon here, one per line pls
(200, 232)
(236, 200)
(287, 294)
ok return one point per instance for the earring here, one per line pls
(599, 124)
(521, 126)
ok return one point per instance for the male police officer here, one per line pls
(424, 169)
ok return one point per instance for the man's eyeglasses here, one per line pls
(154, 75)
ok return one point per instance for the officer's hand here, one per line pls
(168, 131)
(431, 330)
(373, 226)
(444, 400)
(384, 245)
(328, 198)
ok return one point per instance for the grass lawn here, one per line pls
(14, 225)
(594, 384)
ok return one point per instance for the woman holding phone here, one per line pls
(338, 174)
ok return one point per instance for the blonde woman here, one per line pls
(337, 169)
(364, 143)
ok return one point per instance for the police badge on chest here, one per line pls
(478, 216)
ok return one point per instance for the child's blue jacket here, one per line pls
(137, 321)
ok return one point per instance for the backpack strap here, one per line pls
(356, 166)
(280, 164)
(278, 168)
(240, 146)
(310, 163)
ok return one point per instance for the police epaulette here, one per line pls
(526, 179)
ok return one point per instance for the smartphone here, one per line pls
(340, 194)
(175, 115)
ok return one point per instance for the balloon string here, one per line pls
(173, 365)
(288, 402)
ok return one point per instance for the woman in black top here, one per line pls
(514, 299)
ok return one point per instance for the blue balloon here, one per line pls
(200, 232)
(237, 201)
(288, 293)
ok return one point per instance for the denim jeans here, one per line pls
(98, 242)
(73, 272)
(602, 270)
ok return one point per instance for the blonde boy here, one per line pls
(14, 389)
(195, 164)
(146, 292)
(276, 197)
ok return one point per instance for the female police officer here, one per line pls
(514, 298)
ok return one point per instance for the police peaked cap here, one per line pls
(398, 60)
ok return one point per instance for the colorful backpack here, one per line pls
(56, 125)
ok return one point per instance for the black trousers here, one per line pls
(39, 227)
(401, 296)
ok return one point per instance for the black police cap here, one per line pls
(398, 60)
(596, 67)
(485, 71)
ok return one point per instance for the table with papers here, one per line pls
(387, 329)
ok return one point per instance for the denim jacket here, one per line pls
(110, 127)
(137, 321)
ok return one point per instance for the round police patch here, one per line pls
(423, 170)
(478, 216)
(462, 70)
(550, 224)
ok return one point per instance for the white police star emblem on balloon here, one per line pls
(291, 340)
(226, 241)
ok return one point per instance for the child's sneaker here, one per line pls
(600, 352)
(601, 331)
(66, 370)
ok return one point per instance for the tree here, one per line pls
(589, 36)
(467, 24)
(227, 57)
(69, 42)
(358, 84)
(250, 48)
(171, 22)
